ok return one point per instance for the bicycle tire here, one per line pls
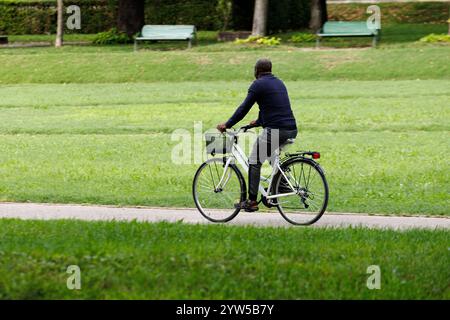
(243, 189)
(279, 177)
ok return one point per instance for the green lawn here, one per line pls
(91, 124)
(112, 143)
(176, 261)
(118, 64)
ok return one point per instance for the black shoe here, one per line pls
(247, 205)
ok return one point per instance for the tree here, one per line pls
(60, 24)
(225, 7)
(131, 16)
(260, 18)
(319, 14)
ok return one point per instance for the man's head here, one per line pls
(262, 66)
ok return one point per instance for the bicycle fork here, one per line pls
(223, 181)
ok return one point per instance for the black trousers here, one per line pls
(264, 148)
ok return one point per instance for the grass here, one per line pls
(94, 124)
(117, 65)
(400, 58)
(167, 261)
(112, 143)
(49, 37)
(203, 37)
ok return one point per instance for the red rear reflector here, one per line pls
(316, 155)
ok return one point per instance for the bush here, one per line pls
(400, 12)
(39, 17)
(303, 37)
(266, 41)
(112, 36)
(433, 38)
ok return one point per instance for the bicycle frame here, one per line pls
(239, 155)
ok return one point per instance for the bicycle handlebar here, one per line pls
(248, 127)
(243, 129)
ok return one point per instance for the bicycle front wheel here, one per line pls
(215, 190)
(310, 200)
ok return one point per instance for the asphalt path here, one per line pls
(192, 216)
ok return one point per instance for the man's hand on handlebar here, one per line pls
(221, 127)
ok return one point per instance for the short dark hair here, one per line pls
(263, 66)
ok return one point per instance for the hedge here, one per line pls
(39, 17)
(409, 12)
(201, 13)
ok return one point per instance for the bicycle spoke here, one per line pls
(212, 179)
(309, 174)
(295, 177)
(218, 175)
(303, 174)
(314, 175)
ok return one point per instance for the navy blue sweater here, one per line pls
(274, 107)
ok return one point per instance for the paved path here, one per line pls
(81, 212)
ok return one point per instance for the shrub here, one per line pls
(266, 41)
(272, 41)
(397, 12)
(39, 17)
(433, 38)
(112, 36)
(303, 37)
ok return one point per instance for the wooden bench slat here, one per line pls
(344, 34)
(347, 29)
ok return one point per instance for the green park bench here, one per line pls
(347, 29)
(166, 32)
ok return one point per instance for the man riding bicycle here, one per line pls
(275, 116)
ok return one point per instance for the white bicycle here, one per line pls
(297, 186)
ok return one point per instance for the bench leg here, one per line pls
(317, 42)
(190, 44)
(374, 42)
(135, 45)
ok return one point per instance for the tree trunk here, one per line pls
(131, 17)
(260, 18)
(60, 24)
(323, 10)
(318, 14)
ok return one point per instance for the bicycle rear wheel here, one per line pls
(216, 203)
(311, 187)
